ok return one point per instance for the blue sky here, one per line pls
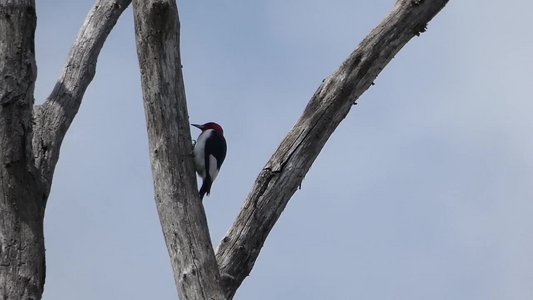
(423, 192)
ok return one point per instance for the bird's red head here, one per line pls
(210, 125)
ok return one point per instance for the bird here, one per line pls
(209, 154)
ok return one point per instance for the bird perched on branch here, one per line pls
(209, 153)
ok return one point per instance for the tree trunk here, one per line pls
(22, 265)
(30, 142)
(22, 268)
(180, 210)
(30, 137)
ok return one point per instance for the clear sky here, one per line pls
(423, 192)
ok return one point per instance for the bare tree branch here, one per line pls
(53, 118)
(180, 210)
(31, 136)
(330, 104)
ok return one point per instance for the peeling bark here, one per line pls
(330, 104)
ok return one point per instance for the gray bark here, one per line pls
(21, 213)
(30, 140)
(30, 137)
(330, 104)
(54, 117)
(178, 203)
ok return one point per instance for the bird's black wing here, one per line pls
(216, 146)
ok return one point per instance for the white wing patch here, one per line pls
(213, 171)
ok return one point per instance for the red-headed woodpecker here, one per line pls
(209, 153)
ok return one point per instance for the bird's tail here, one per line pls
(206, 188)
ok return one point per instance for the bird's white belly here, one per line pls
(199, 150)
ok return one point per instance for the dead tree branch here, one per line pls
(53, 118)
(180, 210)
(31, 135)
(330, 104)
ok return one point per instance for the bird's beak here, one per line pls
(198, 126)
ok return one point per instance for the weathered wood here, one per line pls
(180, 210)
(22, 268)
(54, 117)
(30, 137)
(330, 104)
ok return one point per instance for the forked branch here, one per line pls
(53, 118)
